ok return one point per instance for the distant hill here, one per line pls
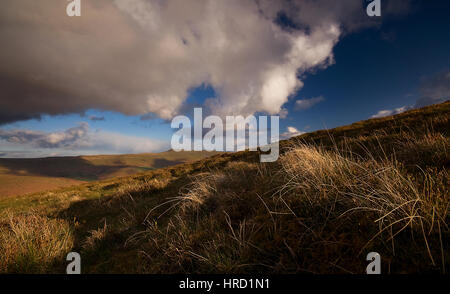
(379, 185)
(23, 176)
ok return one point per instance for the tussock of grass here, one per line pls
(316, 211)
(31, 243)
(146, 186)
(95, 236)
(379, 188)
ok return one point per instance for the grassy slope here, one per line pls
(377, 185)
(24, 176)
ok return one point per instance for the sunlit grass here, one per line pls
(333, 196)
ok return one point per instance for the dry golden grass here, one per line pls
(316, 210)
(30, 243)
(333, 196)
(95, 237)
(378, 187)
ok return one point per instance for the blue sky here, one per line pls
(375, 68)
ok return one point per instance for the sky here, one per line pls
(111, 80)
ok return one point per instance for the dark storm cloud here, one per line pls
(24, 98)
(139, 56)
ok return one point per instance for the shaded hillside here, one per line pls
(333, 196)
(22, 176)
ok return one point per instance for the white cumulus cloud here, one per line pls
(291, 132)
(388, 112)
(140, 56)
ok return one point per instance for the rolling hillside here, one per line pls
(24, 176)
(333, 196)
